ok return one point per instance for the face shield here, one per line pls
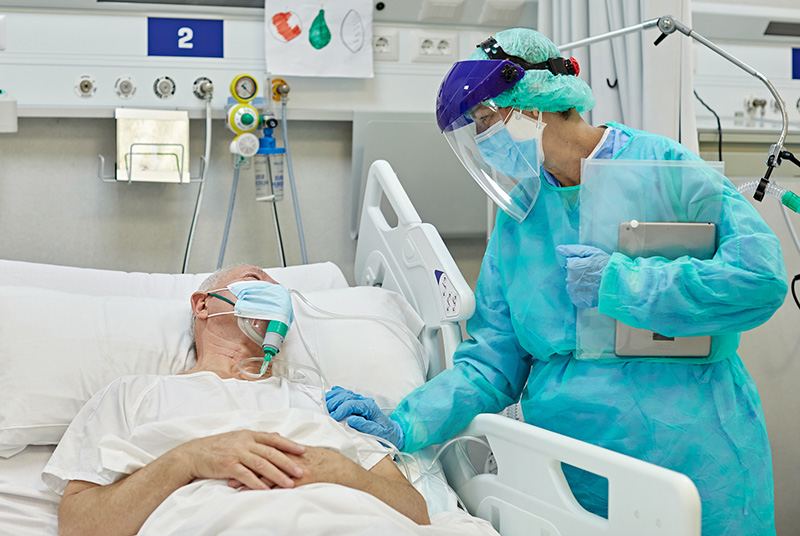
(502, 150)
(500, 146)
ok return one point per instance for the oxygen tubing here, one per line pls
(295, 202)
(204, 172)
(228, 217)
(787, 198)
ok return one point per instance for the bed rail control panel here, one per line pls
(450, 298)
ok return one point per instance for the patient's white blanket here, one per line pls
(210, 508)
(138, 418)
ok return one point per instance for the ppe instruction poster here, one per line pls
(319, 38)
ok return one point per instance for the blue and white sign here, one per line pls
(184, 37)
(796, 63)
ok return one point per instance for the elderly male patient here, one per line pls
(198, 452)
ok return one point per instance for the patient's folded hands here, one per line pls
(326, 465)
(256, 460)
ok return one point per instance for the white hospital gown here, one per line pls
(138, 418)
(133, 409)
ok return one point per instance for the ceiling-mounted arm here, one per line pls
(652, 23)
(669, 24)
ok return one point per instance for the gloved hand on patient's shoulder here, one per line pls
(363, 414)
(585, 266)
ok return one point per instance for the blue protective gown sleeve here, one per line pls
(736, 290)
(489, 371)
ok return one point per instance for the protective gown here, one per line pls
(701, 418)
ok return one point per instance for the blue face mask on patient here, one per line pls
(264, 311)
(262, 300)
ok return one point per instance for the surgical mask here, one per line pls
(264, 312)
(524, 129)
(513, 148)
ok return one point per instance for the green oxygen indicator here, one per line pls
(273, 338)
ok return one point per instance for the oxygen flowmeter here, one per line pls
(243, 119)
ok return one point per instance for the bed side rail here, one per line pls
(529, 491)
(411, 259)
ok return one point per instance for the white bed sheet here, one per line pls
(211, 508)
(27, 506)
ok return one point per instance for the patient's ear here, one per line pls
(200, 304)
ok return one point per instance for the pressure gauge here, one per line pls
(244, 88)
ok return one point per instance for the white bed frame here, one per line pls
(529, 494)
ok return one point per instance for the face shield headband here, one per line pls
(555, 65)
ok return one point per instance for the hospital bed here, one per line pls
(65, 332)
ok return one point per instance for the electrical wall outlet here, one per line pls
(434, 47)
(385, 44)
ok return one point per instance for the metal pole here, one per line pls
(669, 24)
(203, 173)
(609, 35)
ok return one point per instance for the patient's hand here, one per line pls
(318, 465)
(325, 465)
(384, 481)
(257, 460)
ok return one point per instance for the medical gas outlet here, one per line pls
(164, 87)
(85, 86)
(124, 87)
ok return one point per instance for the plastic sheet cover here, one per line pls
(615, 193)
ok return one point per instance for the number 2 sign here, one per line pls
(184, 37)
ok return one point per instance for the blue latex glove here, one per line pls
(585, 266)
(363, 414)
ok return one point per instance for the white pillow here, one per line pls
(377, 357)
(57, 349)
(306, 277)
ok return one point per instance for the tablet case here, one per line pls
(670, 240)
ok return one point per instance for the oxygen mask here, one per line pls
(264, 312)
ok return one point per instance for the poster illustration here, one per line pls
(330, 38)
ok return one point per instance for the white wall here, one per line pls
(54, 209)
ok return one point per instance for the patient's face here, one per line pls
(228, 323)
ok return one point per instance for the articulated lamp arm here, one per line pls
(668, 25)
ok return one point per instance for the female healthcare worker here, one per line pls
(514, 106)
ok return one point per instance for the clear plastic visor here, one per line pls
(507, 170)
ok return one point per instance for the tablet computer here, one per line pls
(670, 240)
